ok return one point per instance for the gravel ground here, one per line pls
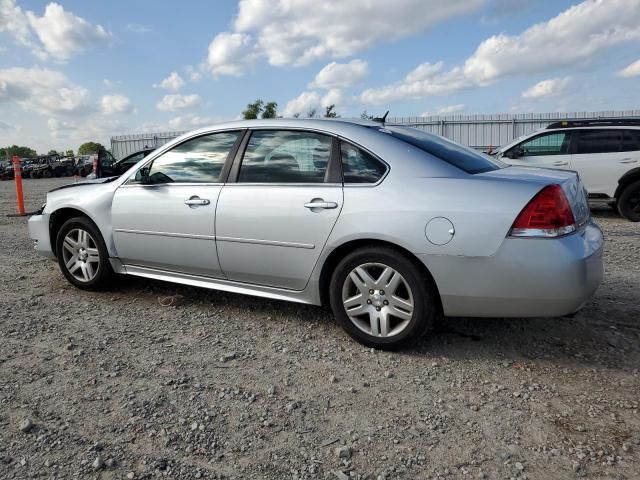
(114, 385)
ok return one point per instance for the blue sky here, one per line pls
(75, 70)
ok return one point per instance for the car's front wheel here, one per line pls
(82, 254)
(629, 202)
(381, 298)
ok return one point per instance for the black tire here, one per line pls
(421, 290)
(102, 273)
(46, 174)
(629, 202)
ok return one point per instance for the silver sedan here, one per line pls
(390, 226)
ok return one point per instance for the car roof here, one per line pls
(333, 125)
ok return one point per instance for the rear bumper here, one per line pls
(39, 233)
(525, 278)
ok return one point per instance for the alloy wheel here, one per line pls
(80, 255)
(378, 300)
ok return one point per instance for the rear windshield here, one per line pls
(457, 155)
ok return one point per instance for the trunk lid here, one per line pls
(569, 181)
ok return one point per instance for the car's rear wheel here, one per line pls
(82, 254)
(46, 174)
(629, 202)
(381, 298)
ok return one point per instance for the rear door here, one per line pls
(278, 208)
(549, 149)
(601, 158)
(164, 218)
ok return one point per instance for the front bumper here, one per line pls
(39, 233)
(525, 278)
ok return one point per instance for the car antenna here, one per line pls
(382, 119)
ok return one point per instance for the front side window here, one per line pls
(556, 143)
(280, 156)
(599, 141)
(359, 166)
(199, 160)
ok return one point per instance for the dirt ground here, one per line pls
(114, 385)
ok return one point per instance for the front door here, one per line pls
(274, 221)
(164, 217)
(549, 150)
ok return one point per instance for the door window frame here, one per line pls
(333, 175)
(224, 173)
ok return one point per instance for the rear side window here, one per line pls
(359, 166)
(599, 141)
(282, 156)
(459, 156)
(630, 141)
(556, 143)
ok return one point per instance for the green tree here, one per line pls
(253, 110)
(270, 110)
(68, 153)
(329, 111)
(89, 148)
(52, 152)
(22, 152)
(312, 113)
(365, 116)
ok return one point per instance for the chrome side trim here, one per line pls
(166, 234)
(273, 243)
(218, 284)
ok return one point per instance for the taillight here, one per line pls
(548, 214)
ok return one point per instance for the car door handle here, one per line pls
(629, 160)
(325, 205)
(560, 164)
(197, 201)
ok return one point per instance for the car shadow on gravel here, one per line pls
(587, 338)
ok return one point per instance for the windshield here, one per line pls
(465, 158)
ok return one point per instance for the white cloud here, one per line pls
(302, 104)
(631, 70)
(335, 96)
(547, 88)
(576, 35)
(310, 100)
(448, 110)
(5, 126)
(189, 122)
(425, 80)
(61, 128)
(61, 34)
(230, 54)
(43, 91)
(111, 83)
(116, 104)
(177, 101)
(173, 82)
(341, 75)
(138, 28)
(299, 32)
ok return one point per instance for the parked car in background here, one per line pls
(51, 166)
(604, 152)
(109, 168)
(390, 226)
(85, 165)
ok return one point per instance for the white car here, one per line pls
(604, 152)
